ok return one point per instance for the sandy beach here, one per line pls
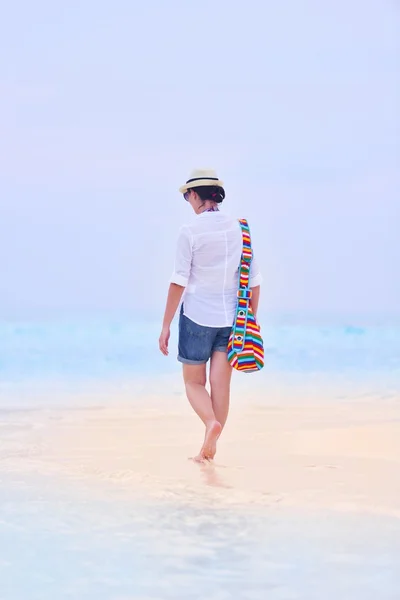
(103, 502)
(342, 457)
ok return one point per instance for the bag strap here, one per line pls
(247, 256)
(244, 291)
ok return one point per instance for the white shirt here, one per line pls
(207, 264)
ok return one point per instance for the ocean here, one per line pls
(112, 349)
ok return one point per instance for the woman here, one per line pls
(206, 272)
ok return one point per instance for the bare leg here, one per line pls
(195, 383)
(220, 382)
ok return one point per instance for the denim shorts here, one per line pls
(198, 342)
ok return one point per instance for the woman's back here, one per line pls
(207, 263)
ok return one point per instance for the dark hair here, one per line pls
(210, 192)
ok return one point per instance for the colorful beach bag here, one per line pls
(245, 347)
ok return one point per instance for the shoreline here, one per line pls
(262, 389)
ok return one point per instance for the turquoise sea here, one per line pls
(108, 348)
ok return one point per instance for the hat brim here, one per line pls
(200, 182)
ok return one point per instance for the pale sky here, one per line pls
(105, 107)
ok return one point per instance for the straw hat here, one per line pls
(200, 177)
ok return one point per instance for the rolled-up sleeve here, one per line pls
(183, 258)
(255, 274)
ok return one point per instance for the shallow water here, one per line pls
(63, 543)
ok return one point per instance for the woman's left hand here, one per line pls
(163, 341)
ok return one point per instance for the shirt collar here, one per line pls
(208, 212)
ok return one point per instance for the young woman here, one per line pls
(206, 272)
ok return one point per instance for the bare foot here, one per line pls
(199, 458)
(209, 449)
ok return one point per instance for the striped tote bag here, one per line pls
(245, 347)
